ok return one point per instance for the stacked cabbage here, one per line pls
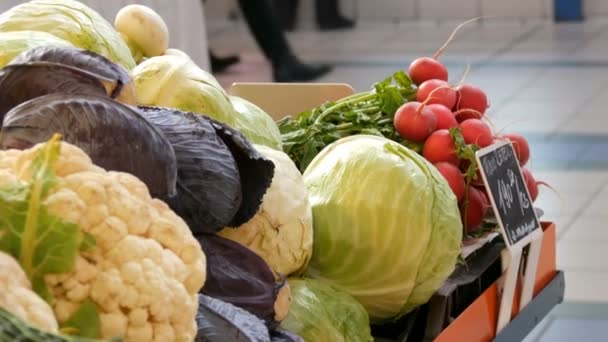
(177, 82)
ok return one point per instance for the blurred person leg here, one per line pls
(287, 12)
(219, 64)
(329, 17)
(265, 26)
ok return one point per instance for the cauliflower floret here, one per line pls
(146, 268)
(16, 296)
(281, 232)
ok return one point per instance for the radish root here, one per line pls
(458, 112)
(550, 187)
(465, 74)
(488, 118)
(445, 45)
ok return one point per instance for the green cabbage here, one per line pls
(177, 82)
(71, 21)
(15, 42)
(255, 124)
(319, 312)
(387, 229)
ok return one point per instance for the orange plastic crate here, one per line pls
(478, 321)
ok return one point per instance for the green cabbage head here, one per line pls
(387, 229)
(15, 42)
(176, 82)
(319, 312)
(255, 124)
(71, 21)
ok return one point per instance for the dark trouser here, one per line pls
(326, 11)
(264, 24)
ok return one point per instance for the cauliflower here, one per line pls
(145, 269)
(281, 232)
(17, 297)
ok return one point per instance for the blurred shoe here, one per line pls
(219, 64)
(337, 23)
(292, 70)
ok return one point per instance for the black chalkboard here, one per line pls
(507, 187)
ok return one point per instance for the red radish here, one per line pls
(414, 121)
(445, 117)
(439, 147)
(437, 91)
(520, 144)
(475, 131)
(455, 179)
(471, 102)
(531, 183)
(483, 189)
(475, 211)
(428, 68)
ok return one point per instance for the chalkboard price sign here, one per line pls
(508, 192)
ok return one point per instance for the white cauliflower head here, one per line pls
(281, 232)
(17, 297)
(146, 268)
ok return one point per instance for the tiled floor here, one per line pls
(548, 81)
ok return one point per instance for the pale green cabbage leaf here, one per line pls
(255, 124)
(387, 228)
(71, 21)
(176, 82)
(319, 312)
(15, 42)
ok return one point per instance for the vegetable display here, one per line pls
(281, 232)
(318, 312)
(387, 227)
(140, 201)
(421, 110)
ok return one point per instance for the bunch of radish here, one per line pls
(450, 123)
